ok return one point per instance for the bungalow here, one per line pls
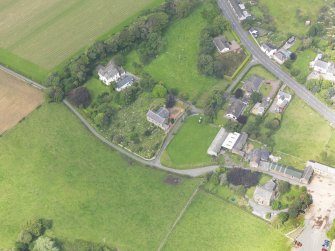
(221, 44)
(268, 49)
(124, 83)
(260, 107)
(239, 9)
(282, 56)
(326, 70)
(216, 144)
(252, 84)
(159, 118)
(235, 109)
(283, 99)
(110, 73)
(264, 195)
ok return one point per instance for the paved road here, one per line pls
(23, 78)
(261, 57)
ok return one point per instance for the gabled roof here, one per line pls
(236, 108)
(253, 83)
(263, 193)
(160, 116)
(221, 43)
(268, 47)
(241, 141)
(110, 70)
(270, 185)
(218, 141)
(124, 81)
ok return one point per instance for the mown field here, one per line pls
(289, 23)
(304, 135)
(45, 33)
(176, 67)
(52, 167)
(188, 149)
(212, 224)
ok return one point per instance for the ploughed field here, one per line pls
(17, 100)
(48, 32)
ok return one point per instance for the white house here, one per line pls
(283, 99)
(221, 44)
(282, 56)
(110, 73)
(268, 49)
(323, 69)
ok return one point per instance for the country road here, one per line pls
(263, 59)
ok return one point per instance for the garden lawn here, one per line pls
(45, 33)
(303, 60)
(52, 167)
(188, 149)
(176, 67)
(212, 224)
(289, 23)
(303, 136)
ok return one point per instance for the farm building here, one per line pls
(235, 109)
(290, 173)
(159, 118)
(320, 168)
(216, 145)
(264, 195)
(110, 73)
(234, 142)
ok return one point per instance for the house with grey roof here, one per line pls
(268, 49)
(110, 73)
(235, 109)
(159, 118)
(221, 44)
(252, 84)
(322, 69)
(240, 143)
(258, 155)
(283, 99)
(124, 83)
(216, 144)
(282, 56)
(239, 9)
(264, 195)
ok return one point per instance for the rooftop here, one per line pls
(221, 43)
(231, 140)
(124, 81)
(236, 108)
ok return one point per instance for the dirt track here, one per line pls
(17, 100)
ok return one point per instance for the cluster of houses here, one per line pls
(111, 73)
(240, 10)
(250, 86)
(280, 55)
(322, 69)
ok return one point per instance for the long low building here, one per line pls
(229, 141)
(291, 173)
(216, 145)
(320, 168)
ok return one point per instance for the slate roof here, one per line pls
(216, 144)
(263, 193)
(242, 140)
(124, 81)
(221, 43)
(253, 83)
(236, 108)
(268, 47)
(160, 116)
(110, 70)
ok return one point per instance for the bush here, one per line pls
(331, 232)
(283, 187)
(276, 205)
(239, 93)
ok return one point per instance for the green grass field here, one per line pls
(52, 167)
(303, 60)
(212, 224)
(289, 23)
(177, 66)
(188, 149)
(303, 135)
(48, 32)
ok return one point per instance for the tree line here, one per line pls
(145, 34)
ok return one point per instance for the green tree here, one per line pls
(44, 243)
(256, 97)
(159, 91)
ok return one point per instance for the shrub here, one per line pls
(283, 187)
(239, 93)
